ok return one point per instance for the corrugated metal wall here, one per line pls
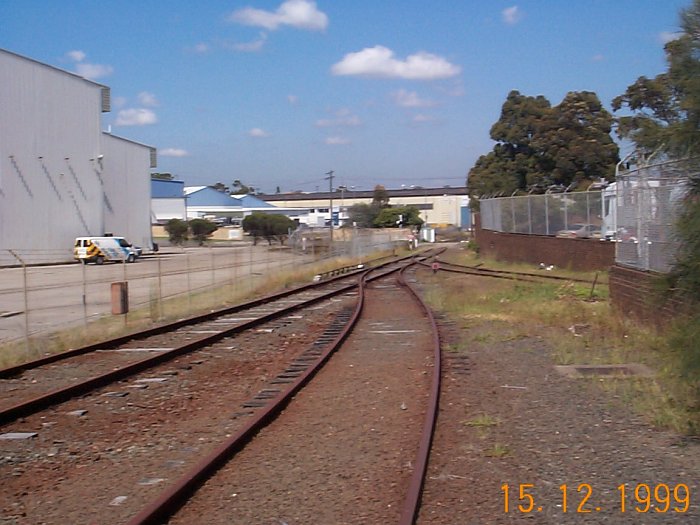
(50, 168)
(127, 182)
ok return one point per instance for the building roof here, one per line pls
(167, 189)
(208, 196)
(17, 55)
(251, 202)
(349, 194)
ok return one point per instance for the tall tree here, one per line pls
(666, 109)
(540, 145)
(574, 143)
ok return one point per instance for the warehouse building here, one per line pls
(60, 176)
(439, 207)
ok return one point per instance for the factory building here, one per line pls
(60, 176)
(438, 207)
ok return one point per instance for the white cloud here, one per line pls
(379, 61)
(251, 47)
(258, 133)
(410, 99)
(93, 71)
(201, 48)
(136, 117)
(337, 141)
(421, 118)
(118, 102)
(147, 99)
(511, 15)
(76, 55)
(293, 99)
(87, 70)
(173, 152)
(598, 58)
(343, 118)
(302, 14)
(667, 36)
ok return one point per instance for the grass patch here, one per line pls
(482, 421)
(582, 331)
(155, 312)
(497, 450)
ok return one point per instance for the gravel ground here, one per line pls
(342, 451)
(507, 417)
(76, 472)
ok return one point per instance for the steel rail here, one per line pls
(161, 329)
(60, 395)
(411, 503)
(506, 272)
(168, 327)
(172, 499)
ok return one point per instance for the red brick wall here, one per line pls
(632, 292)
(638, 294)
(574, 254)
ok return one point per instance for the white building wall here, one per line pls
(127, 189)
(49, 138)
(166, 209)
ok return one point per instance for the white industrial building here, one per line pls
(438, 207)
(60, 176)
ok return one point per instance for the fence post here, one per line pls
(26, 300)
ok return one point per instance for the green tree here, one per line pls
(666, 109)
(380, 198)
(574, 143)
(268, 226)
(362, 215)
(177, 231)
(238, 188)
(397, 217)
(201, 229)
(540, 145)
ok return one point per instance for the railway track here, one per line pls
(38, 384)
(160, 401)
(506, 274)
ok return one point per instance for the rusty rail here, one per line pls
(411, 504)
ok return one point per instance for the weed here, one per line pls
(498, 450)
(482, 421)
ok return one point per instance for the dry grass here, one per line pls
(170, 309)
(577, 329)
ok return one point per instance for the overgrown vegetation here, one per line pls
(665, 121)
(579, 328)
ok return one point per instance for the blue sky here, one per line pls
(276, 93)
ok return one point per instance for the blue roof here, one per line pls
(249, 201)
(207, 196)
(167, 189)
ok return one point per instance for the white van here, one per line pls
(101, 249)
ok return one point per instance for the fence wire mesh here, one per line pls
(37, 301)
(546, 214)
(647, 205)
(638, 212)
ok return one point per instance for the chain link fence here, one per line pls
(647, 205)
(638, 212)
(39, 301)
(547, 214)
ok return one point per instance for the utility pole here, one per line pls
(330, 179)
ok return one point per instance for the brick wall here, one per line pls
(574, 254)
(633, 292)
(638, 294)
